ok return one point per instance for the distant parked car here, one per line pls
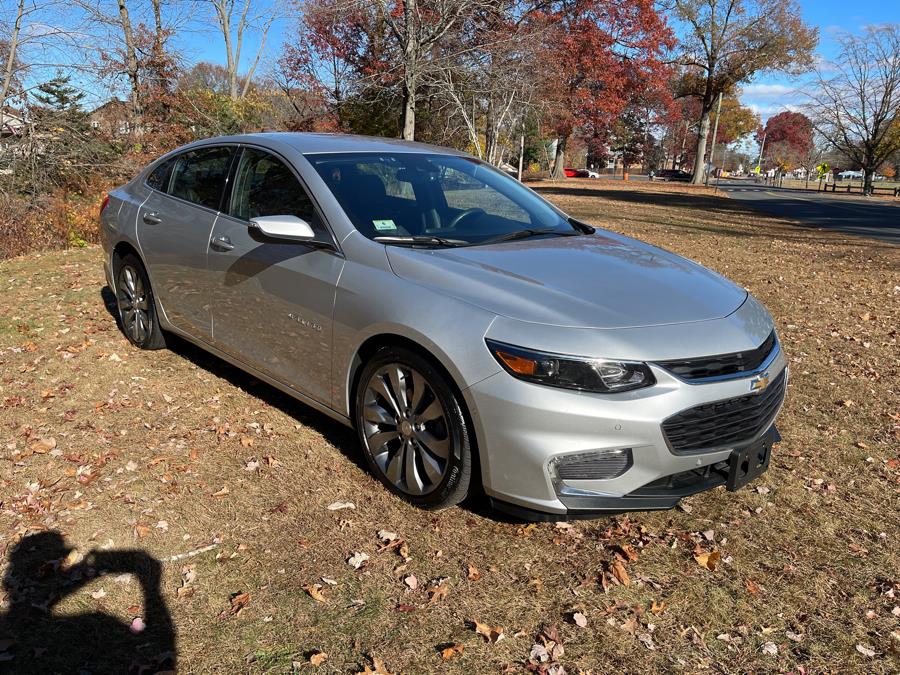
(586, 173)
(570, 172)
(673, 174)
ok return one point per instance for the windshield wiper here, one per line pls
(532, 232)
(421, 240)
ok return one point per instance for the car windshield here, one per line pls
(433, 199)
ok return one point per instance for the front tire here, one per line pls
(137, 308)
(412, 429)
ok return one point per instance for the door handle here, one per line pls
(151, 218)
(221, 244)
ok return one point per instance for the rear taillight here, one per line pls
(104, 204)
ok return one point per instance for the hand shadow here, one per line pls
(34, 640)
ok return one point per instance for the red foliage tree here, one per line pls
(608, 52)
(789, 138)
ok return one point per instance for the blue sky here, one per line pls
(771, 93)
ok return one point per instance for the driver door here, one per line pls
(272, 301)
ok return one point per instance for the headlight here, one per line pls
(571, 372)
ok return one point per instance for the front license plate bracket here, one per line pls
(748, 463)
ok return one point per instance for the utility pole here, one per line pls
(712, 149)
(522, 147)
(762, 147)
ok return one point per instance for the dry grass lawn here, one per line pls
(175, 452)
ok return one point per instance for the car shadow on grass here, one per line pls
(339, 435)
(42, 572)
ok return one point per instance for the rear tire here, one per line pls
(412, 429)
(137, 307)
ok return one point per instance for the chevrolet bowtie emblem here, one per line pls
(759, 383)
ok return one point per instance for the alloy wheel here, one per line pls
(406, 429)
(134, 305)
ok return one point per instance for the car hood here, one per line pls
(594, 281)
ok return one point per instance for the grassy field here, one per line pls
(233, 489)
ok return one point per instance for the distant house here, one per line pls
(11, 123)
(113, 118)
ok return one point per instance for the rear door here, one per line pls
(273, 301)
(174, 225)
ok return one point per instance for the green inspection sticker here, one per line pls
(382, 225)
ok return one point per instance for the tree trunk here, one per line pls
(700, 155)
(868, 174)
(11, 59)
(408, 121)
(560, 160)
(131, 63)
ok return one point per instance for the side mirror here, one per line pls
(290, 228)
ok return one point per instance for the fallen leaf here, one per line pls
(221, 493)
(491, 635)
(579, 619)
(450, 651)
(339, 506)
(357, 559)
(43, 445)
(411, 581)
(647, 641)
(379, 668)
(657, 608)
(437, 593)
(137, 625)
(98, 594)
(618, 570)
(770, 649)
(472, 573)
(752, 587)
(709, 560)
(315, 592)
(318, 658)
(141, 530)
(865, 650)
(238, 602)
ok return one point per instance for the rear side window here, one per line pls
(265, 186)
(199, 176)
(159, 177)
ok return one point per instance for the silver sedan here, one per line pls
(476, 337)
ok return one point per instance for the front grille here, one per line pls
(724, 423)
(723, 364)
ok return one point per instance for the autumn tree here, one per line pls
(729, 41)
(607, 52)
(788, 140)
(856, 100)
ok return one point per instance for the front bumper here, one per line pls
(524, 429)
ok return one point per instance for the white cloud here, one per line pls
(766, 92)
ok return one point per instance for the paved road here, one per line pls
(862, 216)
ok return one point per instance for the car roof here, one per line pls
(313, 142)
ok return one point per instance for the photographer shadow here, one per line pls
(33, 639)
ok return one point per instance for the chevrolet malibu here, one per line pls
(474, 335)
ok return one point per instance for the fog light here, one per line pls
(596, 465)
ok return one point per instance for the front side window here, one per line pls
(265, 186)
(198, 176)
(415, 195)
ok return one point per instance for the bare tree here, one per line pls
(417, 27)
(856, 108)
(729, 41)
(233, 35)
